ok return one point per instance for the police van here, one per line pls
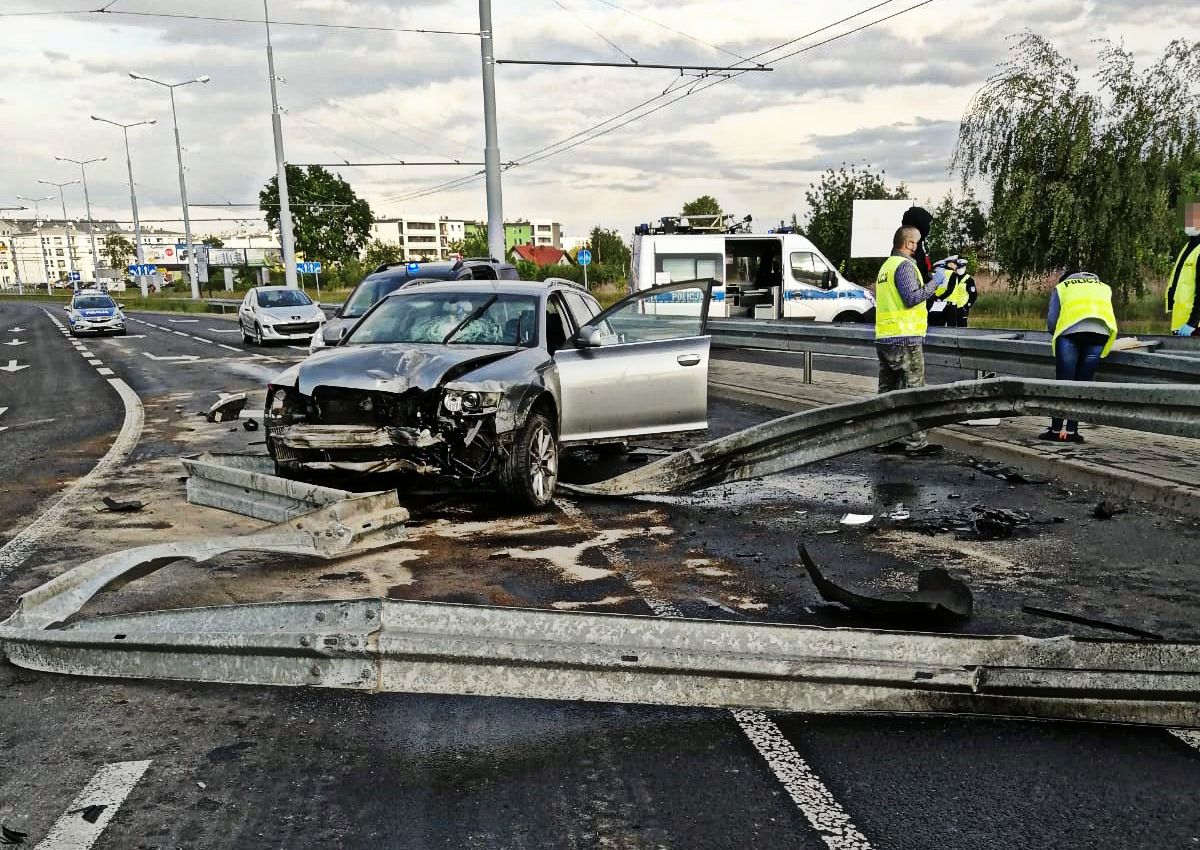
(776, 275)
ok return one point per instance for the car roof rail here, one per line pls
(566, 282)
(480, 260)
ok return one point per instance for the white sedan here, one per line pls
(270, 313)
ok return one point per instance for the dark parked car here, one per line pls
(388, 278)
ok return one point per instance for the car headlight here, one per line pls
(278, 401)
(470, 401)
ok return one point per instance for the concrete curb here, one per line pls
(1116, 483)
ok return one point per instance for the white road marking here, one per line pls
(95, 363)
(86, 353)
(298, 347)
(1191, 737)
(18, 330)
(183, 321)
(179, 333)
(229, 347)
(818, 805)
(174, 358)
(3, 410)
(104, 370)
(16, 342)
(202, 339)
(81, 825)
(13, 367)
(223, 330)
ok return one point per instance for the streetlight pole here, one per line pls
(12, 247)
(87, 202)
(286, 238)
(37, 224)
(66, 226)
(137, 225)
(187, 221)
(491, 150)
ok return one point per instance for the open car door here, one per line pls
(638, 368)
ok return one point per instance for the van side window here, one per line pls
(809, 269)
(687, 267)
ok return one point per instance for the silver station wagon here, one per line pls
(485, 382)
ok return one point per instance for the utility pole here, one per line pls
(491, 150)
(37, 221)
(187, 220)
(87, 202)
(12, 249)
(137, 224)
(286, 238)
(66, 225)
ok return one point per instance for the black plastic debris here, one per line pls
(939, 600)
(1015, 476)
(998, 523)
(227, 408)
(1089, 621)
(91, 813)
(116, 506)
(250, 424)
(1107, 510)
(12, 836)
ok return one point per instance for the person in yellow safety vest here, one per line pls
(1083, 328)
(901, 320)
(947, 309)
(1182, 304)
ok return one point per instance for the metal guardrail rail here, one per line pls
(1001, 353)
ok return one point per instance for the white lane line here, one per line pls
(1189, 736)
(223, 331)
(815, 801)
(180, 333)
(90, 812)
(229, 347)
(15, 551)
(105, 371)
(86, 353)
(95, 363)
(202, 339)
(297, 348)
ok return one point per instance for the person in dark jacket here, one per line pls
(922, 220)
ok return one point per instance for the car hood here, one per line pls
(392, 368)
(307, 312)
(96, 312)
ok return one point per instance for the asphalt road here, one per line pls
(240, 767)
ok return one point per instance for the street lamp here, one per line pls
(87, 202)
(37, 223)
(187, 222)
(66, 226)
(137, 225)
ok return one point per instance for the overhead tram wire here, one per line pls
(223, 19)
(595, 31)
(590, 133)
(699, 41)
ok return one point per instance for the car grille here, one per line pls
(297, 328)
(357, 407)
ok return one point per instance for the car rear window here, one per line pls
(94, 302)
(282, 298)
(474, 318)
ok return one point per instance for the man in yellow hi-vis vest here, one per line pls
(901, 320)
(1182, 304)
(1083, 328)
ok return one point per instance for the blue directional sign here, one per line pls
(310, 267)
(413, 268)
(583, 257)
(142, 270)
(74, 276)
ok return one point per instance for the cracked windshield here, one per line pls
(663, 424)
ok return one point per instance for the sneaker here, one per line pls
(1050, 435)
(1073, 437)
(926, 450)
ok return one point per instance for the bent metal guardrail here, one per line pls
(1025, 358)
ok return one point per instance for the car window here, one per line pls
(474, 318)
(558, 326)
(370, 291)
(808, 268)
(580, 307)
(509, 273)
(663, 315)
(483, 273)
(282, 298)
(94, 302)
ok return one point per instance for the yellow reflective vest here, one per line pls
(892, 318)
(1181, 299)
(1085, 298)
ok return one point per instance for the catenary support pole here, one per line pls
(286, 237)
(491, 151)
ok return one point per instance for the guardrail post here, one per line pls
(808, 379)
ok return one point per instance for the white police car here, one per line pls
(93, 311)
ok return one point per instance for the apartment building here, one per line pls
(420, 237)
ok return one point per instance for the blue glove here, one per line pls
(1186, 330)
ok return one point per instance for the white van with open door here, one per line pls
(757, 276)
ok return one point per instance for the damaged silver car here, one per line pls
(485, 383)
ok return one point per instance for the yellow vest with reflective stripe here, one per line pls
(959, 297)
(892, 318)
(1185, 290)
(1084, 298)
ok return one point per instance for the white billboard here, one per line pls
(873, 224)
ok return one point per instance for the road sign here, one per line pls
(309, 267)
(74, 276)
(583, 257)
(142, 270)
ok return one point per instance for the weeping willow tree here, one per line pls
(1085, 174)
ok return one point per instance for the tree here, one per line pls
(379, 253)
(117, 251)
(831, 207)
(474, 244)
(959, 227)
(1085, 175)
(329, 220)
(608, 247)
(704, 205)
(213, 241)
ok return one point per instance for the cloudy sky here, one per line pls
(891, 95)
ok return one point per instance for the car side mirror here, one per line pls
(120, 306)
(589, 337)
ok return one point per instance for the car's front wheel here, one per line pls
(530, 471)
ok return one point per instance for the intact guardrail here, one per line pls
(1004, 353)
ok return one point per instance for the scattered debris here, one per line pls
(831, 531)
(954, 496)
(898, 514)
(498, 556)
(712, 603)
(12, 836)
(1015, 476)
(939, 598)
(856, 519)
(115, 506)
(227, 408)
(1107, 510)
(91, 813)
(229, 752)
(998, 523)
(1089, 621)
(202, 786)
(250, 424)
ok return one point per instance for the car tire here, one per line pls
(530, 471)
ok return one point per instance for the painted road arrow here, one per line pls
(13, 367)
(176, 358)
(15, 342)
(16, 330)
